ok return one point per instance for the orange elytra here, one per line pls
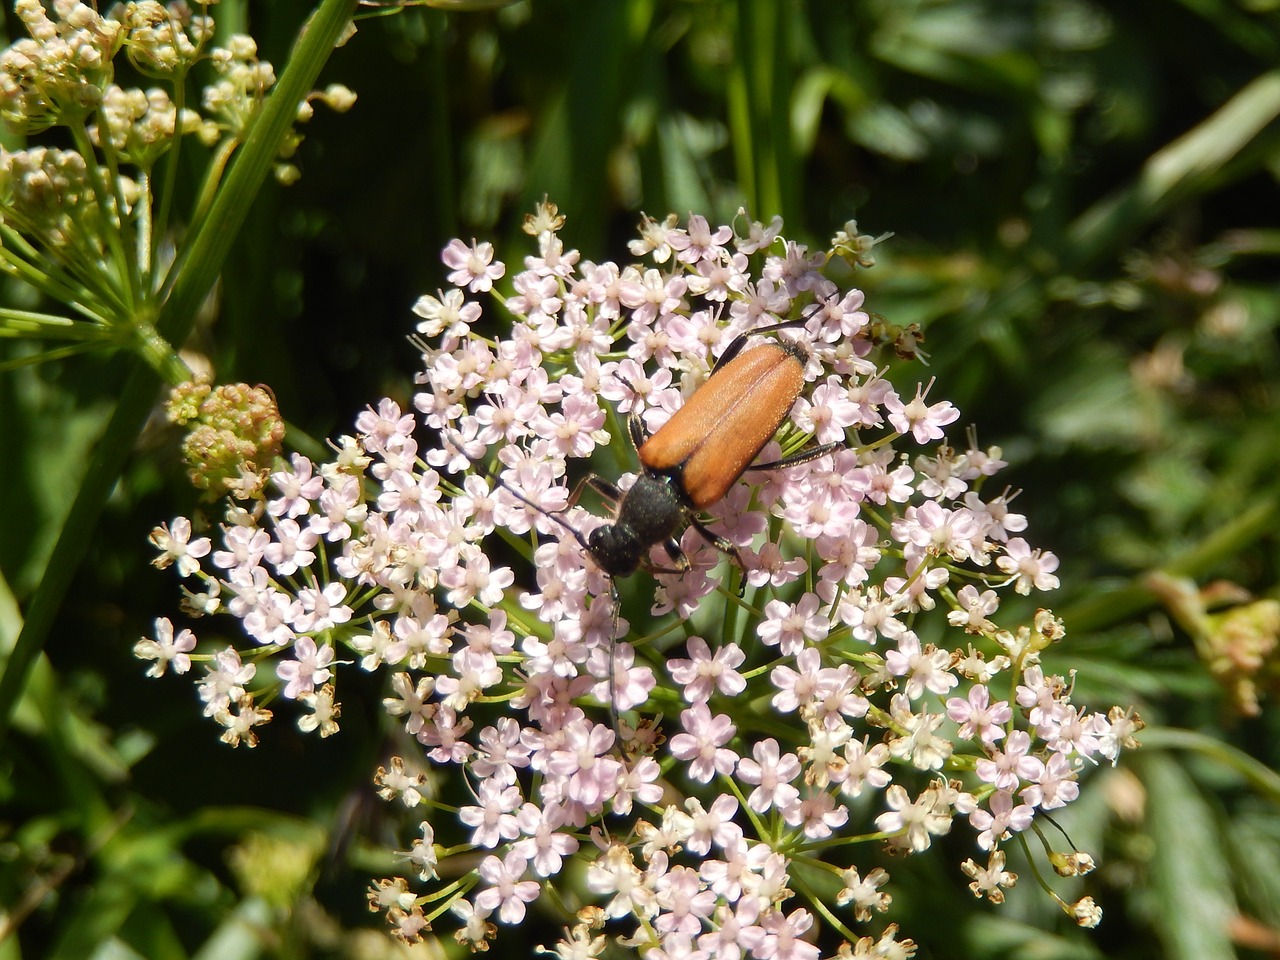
(711, 441)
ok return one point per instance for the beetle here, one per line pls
(690, 463)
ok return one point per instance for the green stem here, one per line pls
(207, 252)
(48, 356)
(204, 204)
(1103, 609)
(1262, 779)
(26, 324)
(760, 91)
(171, 167)
(51, 268)
(45, 272)
(1038, 876)
(820, 905)
(740, 119)
(159, 354)
(102, 178)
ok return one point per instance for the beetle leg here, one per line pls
(677, 555)
(672, 546)
(726, 547)
(801, 456)
(635, 422)
(740, 341)
(600, 485)
(635, 427)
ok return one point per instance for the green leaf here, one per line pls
(1191, 878)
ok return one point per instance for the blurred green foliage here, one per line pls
(1085, 210)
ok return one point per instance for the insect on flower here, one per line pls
(691, 462)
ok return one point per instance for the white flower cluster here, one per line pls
(46, 190)
(164, 39)
(858, 685)
(141, 125)
(63, 74)
(62, 70)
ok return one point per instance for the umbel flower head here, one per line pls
(87, 222)
(707, 740)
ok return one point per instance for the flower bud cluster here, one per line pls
(62, 70)
(708, 756)
(90, 221)
(242, 82)
(141, 125)
(47, 191)
(233, 436)
(164, 40)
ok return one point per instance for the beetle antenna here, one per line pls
(613, 664)
(515, 492)
(549, 514)
(614, 599)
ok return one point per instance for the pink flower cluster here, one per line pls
(701, 763)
